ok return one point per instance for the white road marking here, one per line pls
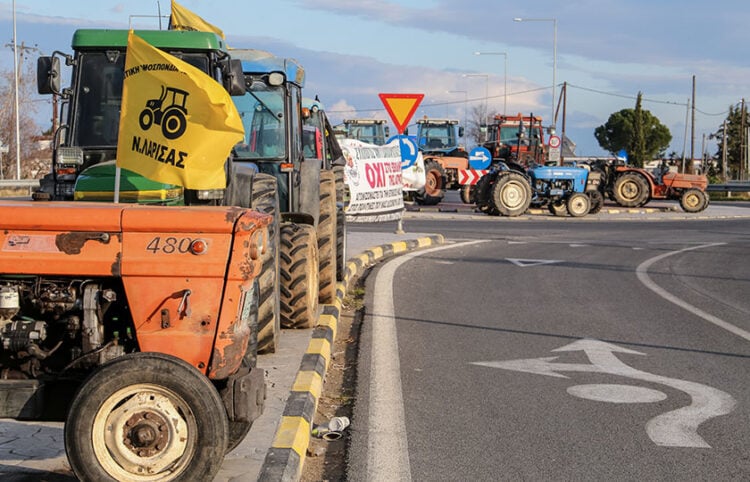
(676, 428)
(525, 263)
(387, 447)
(604, 392)
(642, 273)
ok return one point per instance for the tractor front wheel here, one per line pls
(145, 417)
(693, 201)
(434, 187)
(467, 192)
(578, 205)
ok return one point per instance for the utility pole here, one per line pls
(743, 141)
(724, 168)
(18, 52)
(692, 130)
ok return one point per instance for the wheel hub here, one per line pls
(146, 434)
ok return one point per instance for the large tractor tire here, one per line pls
(326, 234)
(578, 204)
(483, 194)
(341, 198)
(558, 207)
(265, 198)
(298, 269)
(631, 190)
(434, 187)
(467, 192)
(596, 199)
(511, 194)
(145, 417)
(693, 201)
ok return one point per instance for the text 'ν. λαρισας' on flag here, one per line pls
(184, 19)
(177, 124)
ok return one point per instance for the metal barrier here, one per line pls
(737, 186)
(15, 187)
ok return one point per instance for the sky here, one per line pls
(606, 52)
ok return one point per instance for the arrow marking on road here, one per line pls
(676, 428)
(525, 263)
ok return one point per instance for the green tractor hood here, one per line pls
(97, 183)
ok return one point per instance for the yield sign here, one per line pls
(401, 107)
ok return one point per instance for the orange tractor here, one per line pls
(634, 187)
(138, 325)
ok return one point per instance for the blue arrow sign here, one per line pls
(409, 151)
(480, 158)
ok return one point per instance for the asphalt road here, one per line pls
(538, 350)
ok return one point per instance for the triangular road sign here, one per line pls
(524, 263)
(401, 107)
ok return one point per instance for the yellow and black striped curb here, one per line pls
(286, 457)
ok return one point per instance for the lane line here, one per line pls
(387, 445)
(642, 272)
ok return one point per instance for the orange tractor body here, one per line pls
(148, 313)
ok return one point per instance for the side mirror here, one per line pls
(387, 132)
(406, 132)
(48, 75)
(234, 79)
(461, 131)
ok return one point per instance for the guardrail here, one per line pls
(15, 187)
(739, 186)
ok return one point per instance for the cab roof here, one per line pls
(164, 39)
(262, 62)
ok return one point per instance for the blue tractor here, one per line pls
(563, 190)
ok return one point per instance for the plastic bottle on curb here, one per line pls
(332, 430)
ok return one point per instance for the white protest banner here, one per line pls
(373, 174)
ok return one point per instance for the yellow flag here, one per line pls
(177, 124)
(184, 19)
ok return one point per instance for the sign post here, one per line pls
(554, 149)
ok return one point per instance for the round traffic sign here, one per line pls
(554, 141)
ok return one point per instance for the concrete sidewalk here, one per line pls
(34, 451)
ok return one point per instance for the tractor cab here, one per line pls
(85, 144)
(438, 136)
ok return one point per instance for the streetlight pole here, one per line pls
(505, 76)
(554, 55)
(486, 92)
(466, 99)
(15, 77)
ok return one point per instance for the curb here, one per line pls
(286, 457)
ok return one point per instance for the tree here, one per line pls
(637, 131)
(28, 128)
(736, 142)
(478, 117)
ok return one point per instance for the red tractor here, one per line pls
(634, 187)
(517, 140)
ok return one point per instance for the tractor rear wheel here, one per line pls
(558, 208)
(434, 186)
(578, 204)
(511, 194)
(597, 201)
(327, 238)
(631, 190)
(265, 199)
(341, 187)
(298, 269)
(693, 200)
(143, 417)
